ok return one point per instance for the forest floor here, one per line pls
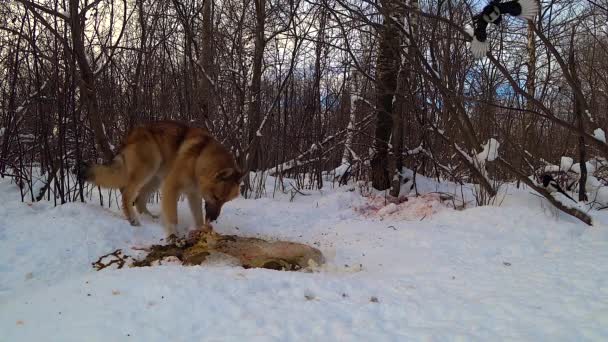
(417, 270)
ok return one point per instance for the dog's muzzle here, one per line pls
(212, 211)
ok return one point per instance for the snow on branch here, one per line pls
(488, 154)
(473, 162)
(300, 159)
(559, 201)
(600, 135)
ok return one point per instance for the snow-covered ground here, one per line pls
(417, 270)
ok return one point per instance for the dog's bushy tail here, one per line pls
(112, 175)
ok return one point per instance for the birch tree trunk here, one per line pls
(350, 134)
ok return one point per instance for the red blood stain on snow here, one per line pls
(402, 208)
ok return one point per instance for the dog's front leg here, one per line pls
(196, 207)
(170, 194)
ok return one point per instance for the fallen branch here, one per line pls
(559, 205)
(468, 161)
(115, 258)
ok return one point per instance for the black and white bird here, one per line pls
(551, 185)
(492, 14)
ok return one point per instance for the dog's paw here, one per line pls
(207, 228)
(134, 221)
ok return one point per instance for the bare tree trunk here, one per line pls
(396, 157)
(582, 156)
(387, 69)
(316, 101)
(88, 90)
(529, 126)
(207, 103)
(405, 106)
(13, 70)
(578, 112)
(531, 77)
(135, 110)
(255, 103)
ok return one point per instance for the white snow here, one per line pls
(600, 195)
(414, 270)
(600, 135)
(417, 150)
(592, 183)
(338, 172)
(576, 168)
(552, 168)
(490, 151)
(597, 192)
(566, 163)
(464, 153)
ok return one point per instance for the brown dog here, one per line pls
(186, 160)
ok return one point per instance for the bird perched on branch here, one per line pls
(551, 185)
(492, 14)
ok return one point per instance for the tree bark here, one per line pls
(255, 103)
(387, 69)
(316, 101)
(207, 103)
(529, 126)
(88, 90)
(405, 105)
(136, 103)
(578, 112)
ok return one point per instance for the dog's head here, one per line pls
(223, 186)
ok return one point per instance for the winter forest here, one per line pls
(490, 169)
(300, 88)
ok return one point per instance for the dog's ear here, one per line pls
(240, 175)
(226, 174)
(230, 174)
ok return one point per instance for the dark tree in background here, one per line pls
(387, 71)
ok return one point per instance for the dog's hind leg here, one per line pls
(142, 167)
(144, 195)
